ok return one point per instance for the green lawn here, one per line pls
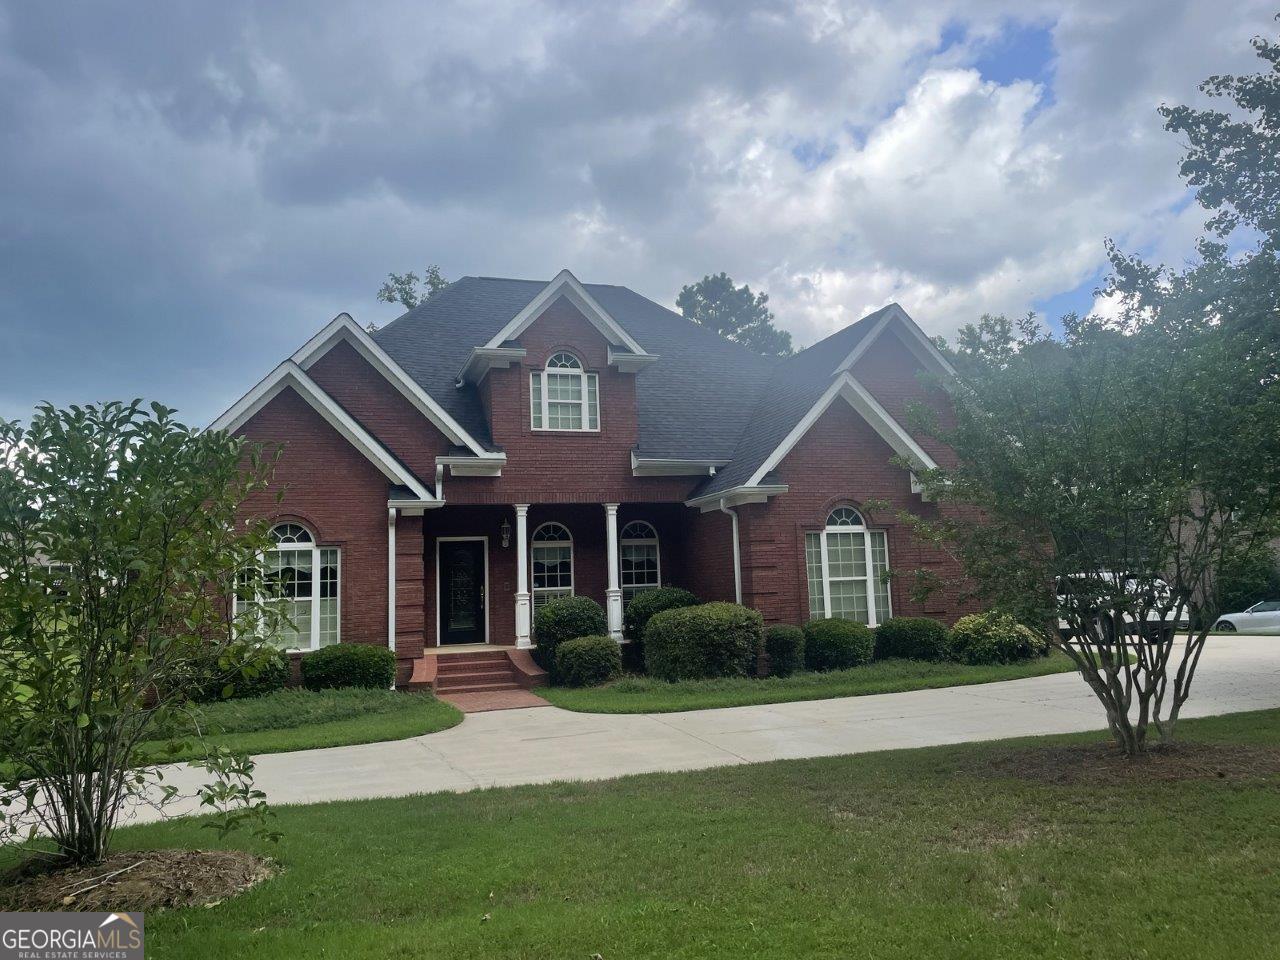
(647, 695)
(907, 854)
(303, 719)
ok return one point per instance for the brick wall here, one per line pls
(331, 488)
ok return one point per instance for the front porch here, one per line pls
(469, 577)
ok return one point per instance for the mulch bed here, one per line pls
(1103, 764)
(135, 880)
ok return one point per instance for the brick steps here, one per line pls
(479, 672)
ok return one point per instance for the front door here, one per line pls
(462, 586)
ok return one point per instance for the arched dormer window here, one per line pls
(303, 578)
(563, 396)
(639, 559)
(551, 563)
(846, 564)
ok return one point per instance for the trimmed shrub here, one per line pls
(837, 644)
(271, 674)
(561, 619)
(349, 665)
(644, 605)
(785, 646)
(992, 637)
(587, 661)
(711, 640)
(913, 638)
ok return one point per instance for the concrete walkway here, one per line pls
(540, 745)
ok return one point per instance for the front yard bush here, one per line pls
(644, 605)
(561, 619)
(588, 661)
(993, 637)
(269, 674)
(349, 665)
(785, 646)
(912, 638)
(837, 644)
(711, 640)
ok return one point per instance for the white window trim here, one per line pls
(536, 591)
(540, 377)
(316, 549)
(641, 541)
(873, 619)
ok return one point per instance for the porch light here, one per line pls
(505, 530)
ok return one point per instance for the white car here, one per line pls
(1262, 617)
(1159, 623)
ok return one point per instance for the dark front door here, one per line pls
(462, 591)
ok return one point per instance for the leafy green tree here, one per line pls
(735, 313)
(409, 290)
(119, 551)
(1136, 451)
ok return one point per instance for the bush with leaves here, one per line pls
(912, 638)
(985, 638)
(588, 661)
(119, 543)
(785, 646)
(837, 644)
(695, 643)
(644, 605)
(270, 673)
(349, 665)
(561, 619)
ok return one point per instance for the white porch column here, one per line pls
(613, 595)
(524, 616)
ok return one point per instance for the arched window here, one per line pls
(303, 577)
(551, 561)
(846, 564)
(564, 396)
(639, 560)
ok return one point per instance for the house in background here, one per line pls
(511, 441)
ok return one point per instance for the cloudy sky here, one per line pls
(188, 191)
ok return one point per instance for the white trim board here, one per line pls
(857, 396)
(291, 376)
(566, 284)
(925, 350)
(343, 327)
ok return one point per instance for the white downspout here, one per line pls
(737, 557)
(391, 578)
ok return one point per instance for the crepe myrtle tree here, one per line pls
(119, 551)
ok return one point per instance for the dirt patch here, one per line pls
(135, 880)
(1103, 764)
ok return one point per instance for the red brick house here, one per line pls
(508, 441)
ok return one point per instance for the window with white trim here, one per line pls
(304, 579)
(551, 562)
(564, 396)
(639, 562)
(846, 565)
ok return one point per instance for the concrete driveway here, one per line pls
(539, 745)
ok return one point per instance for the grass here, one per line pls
(304, 719)
(647, 695)
(904, 854)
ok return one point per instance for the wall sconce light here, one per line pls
(505, 530)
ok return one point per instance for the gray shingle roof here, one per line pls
(706, 398)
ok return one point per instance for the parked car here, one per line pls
(1262, 617)
(1160, 620)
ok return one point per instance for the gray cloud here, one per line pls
(189, 192)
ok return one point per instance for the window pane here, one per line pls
(564, 416)
(879, 565)
(535, 399)
(849, 600)
(565, 387)
(593, 403)
(813, 565)
(328, 604)
(846, 556)
(639, 564)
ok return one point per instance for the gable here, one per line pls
(894, 374)
(395, 422)
(566, 286)
(562, 326)
(842, 454)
